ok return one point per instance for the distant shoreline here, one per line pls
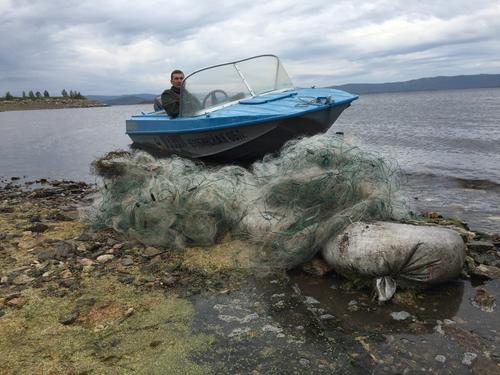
(48, 103)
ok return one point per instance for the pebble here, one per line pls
(152, 251)
(38, 228)
(129, 312)
(22, 279)
(304, 362)
(245, 319)
(127, 261)
(17, 302)
(104, 258)
(69, 319)
(326, 317)
(401, 315)
(468, 358)
(46, 255)
(86, 262)
(271, 328)
(311, 300)
(88, 268)
(440, 358)
(439, 329)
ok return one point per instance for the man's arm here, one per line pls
(170, 101)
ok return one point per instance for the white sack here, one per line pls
(391, 253)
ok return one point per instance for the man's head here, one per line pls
(176, 78)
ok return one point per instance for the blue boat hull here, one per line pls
(241, 143)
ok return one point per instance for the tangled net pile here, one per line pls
(287, 206)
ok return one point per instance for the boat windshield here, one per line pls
(213, 87)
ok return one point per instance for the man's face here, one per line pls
(177, 79)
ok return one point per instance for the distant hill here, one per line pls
(123, 99)
(426, 84)
(422, 84)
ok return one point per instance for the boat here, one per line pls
(238, 112)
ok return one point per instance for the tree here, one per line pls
(64, 93)
(71, 94)
(31, 95)
(24, 94)
(46, 94)
(8, 96)
(38, 94)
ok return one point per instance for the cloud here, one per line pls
(108, 47)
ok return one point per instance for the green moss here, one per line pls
(154, 339)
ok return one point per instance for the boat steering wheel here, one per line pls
(213, 97)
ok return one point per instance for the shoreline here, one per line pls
(48, 103)
(67, 289)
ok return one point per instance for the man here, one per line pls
(170, 99)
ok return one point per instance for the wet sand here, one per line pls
(77, 301)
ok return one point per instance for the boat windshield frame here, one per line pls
(241, 78)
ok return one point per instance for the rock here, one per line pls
(22, 279)
(126, 279)
(151, 252)
(38, 228)
(6, 209)
(111, 242)
(480, 246)
(96, 254)
(66, 274)
(84, 237)
(35, 219)
(16, 302)
(326, 317)
(58, 217)
(468, 358)
(169, 280)
(311, 301)
(104, 258)
(483, 300)
(129, 312)
(64, 250)
(86, 262)
(440, 358)
(317, 267)
(127, 261)
(69, 319)
(484, 271)
(304, 362)
(87, 269)
(488, 258)
(46, 255)
(401, 315)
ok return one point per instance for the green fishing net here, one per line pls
(287, 205)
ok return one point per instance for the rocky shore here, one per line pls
(47, 103)
(78, 301)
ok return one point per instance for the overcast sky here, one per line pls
(118, 47)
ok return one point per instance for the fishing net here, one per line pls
(286, 205)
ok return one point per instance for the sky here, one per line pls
(124, 47)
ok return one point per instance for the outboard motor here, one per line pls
(157, 104)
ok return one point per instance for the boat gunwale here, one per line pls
(239, 123)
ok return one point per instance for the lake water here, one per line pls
(446, 142)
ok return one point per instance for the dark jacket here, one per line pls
(170, 100)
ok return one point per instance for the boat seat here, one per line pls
(157, 104)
